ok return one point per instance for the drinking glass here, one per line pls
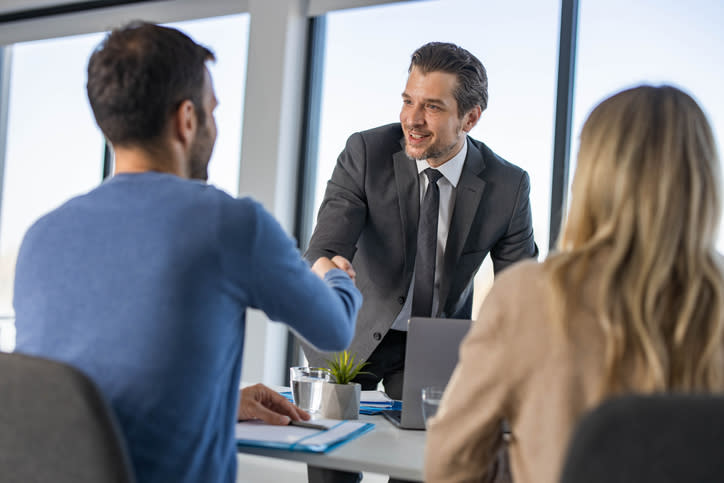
(307, 386)
(431, 396)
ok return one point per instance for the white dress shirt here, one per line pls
(451, 171)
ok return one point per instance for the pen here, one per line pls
(304, 424)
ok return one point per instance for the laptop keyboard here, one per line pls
(393, 414)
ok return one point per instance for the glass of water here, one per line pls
(307, 386)
(431, 401)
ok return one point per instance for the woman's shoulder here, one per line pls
(527, 274)
(517, 292)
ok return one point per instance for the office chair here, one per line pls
(656, 438)
(55, 426)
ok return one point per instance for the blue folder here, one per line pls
(294, 438)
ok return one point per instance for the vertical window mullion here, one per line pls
(5, 62)
(564, 114)
(304, 216)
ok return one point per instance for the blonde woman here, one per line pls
(632, 302)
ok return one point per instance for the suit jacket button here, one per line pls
(401, 299)
(377, 336)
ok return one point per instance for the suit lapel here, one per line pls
(408, 193)
(467, 198)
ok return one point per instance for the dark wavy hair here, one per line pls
(139, 75)
(472, 86)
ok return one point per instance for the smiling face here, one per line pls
(429, 117)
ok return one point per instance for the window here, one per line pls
(228, 38)
(55, 150)
(655, 42)
(367, 55)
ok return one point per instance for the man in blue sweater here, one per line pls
(143, 282)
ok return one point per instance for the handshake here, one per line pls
(324, 264)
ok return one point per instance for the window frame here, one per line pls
(86, 20)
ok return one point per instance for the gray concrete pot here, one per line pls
(340, 401)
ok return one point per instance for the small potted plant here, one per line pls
(341, 396)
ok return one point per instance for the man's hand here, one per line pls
(261, 402)
(345, 265)
(324, 264)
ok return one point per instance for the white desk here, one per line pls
(386, 449)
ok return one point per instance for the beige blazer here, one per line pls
(516, 364)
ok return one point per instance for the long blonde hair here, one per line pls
(646, 197)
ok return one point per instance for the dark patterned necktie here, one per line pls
(426, 247)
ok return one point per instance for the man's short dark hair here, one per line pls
(139, 75)
(472, 85)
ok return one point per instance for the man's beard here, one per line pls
(200, 155)
(435, 151)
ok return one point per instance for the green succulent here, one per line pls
(343, 367)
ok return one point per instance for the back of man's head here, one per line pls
(472, 85)
(139, 75)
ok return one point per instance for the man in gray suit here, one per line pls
(377, 199)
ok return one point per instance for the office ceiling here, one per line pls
(11, 6)
(13, 10)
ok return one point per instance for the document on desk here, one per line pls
(294, 438)
(376, 398)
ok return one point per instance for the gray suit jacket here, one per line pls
(370, 213)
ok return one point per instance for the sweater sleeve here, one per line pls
(263, 263)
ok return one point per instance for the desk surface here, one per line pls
(386, 449)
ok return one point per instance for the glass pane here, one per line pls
(655, 42)
(368, 52)
(54, 149)
(228, 38)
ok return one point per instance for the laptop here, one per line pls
(430, 357)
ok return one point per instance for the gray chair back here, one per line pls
(55, 426)
(641, 439)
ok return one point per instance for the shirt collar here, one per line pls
(451, 169)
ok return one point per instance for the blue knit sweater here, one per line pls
(143, 284)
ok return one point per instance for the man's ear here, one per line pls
(471, 118)
(185, 123)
